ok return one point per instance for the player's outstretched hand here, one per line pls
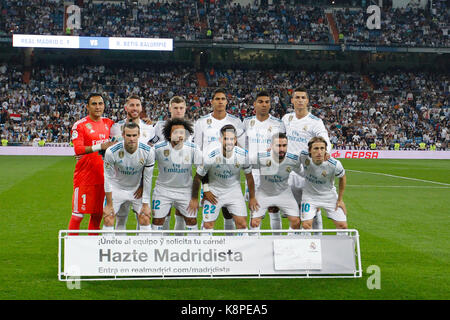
(193, 207)
(341, 204)
(138, 193)
(146, 211)
(253, 204)
(210, 197)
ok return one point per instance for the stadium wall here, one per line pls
(339, 154)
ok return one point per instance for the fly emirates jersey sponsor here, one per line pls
(224, 173)
(274, 175)
(175, 165)
(258, 135)
(300, 131)
(86, 132)
(123, 171)
(319, 186)
(207, 131)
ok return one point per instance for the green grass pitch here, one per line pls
(402, 216)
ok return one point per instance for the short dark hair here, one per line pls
(133, 96)
(219, 90)
(301, 89)
(93, 94)
(167, 128)
(262, 93)
(227, 128)
(279, 135)
(130, 125)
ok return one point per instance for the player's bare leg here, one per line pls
(191, 225)
(241, 224)
(180, 221)
(294, 224)
(158, 224)
(108, 222)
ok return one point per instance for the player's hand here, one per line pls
(253, 204)
(327, 156)
(341, 204)
(108, 214)
(193, 207)
(210, 197)
(138, 193)
(106, 145)
(78, 157)
(147, 121)
(146, 211)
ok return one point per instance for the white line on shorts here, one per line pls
(400, 177)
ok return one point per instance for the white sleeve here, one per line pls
(321, 131)
(108, 164)
(340, 171)
(148, 176)
(240, 134)
(115, 132)
(198, 134)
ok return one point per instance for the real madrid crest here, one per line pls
(305, 128)
(252, 123)
(288, 169)
(268, 163)
(307, 162)
(270, 129)
(141, 161)
(89, 126)
(236, 165)
(324, 173)
(121, 154)
(217, 160)
(290, 118)
(166, 152)
(208, 122)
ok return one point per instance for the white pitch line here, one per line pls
(375, 186)
(400, 177)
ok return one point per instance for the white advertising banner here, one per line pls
(200, 256)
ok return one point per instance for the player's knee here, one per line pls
(341, 224)
(307, 224)
(158, 221)
(295, 223)
(208, 225)
(240, 223)
(190, 221)
(273, 209)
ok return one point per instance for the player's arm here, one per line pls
(252, 203)
(321, 131)
(193, 203)
(147, 177)
(340, 173)
(109, 173)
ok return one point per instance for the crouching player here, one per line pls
(319, 190)
(223, 166)
(125, 165)
(173, 186)
(274, 190)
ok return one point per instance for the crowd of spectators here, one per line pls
(414, 27)
(227, 20)
(386, 108)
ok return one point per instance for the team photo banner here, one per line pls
(104, 43)
(206, 256)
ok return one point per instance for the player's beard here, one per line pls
(281, 155)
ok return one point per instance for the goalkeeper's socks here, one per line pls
(75, 222)
(94, 222)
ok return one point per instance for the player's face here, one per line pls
(177, 134)
(279, 147)
(300, 100)
(228, 141)
(95, 107)
(133, 108)
(131, 139)
(219, 102)
(317, 151)
(177, 110)
(262, 106)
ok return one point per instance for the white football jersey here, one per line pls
(319, 186)
(258, 135)
(300, 131)
(175, 166)
(207, 131)
(146, 132)
(159, 136)
(123, 171)
(224, 173)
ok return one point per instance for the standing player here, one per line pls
(133, 109)
(223, 166)
(319, 190)
(89, 136)
(207, 136)
(126, 164)
(177, 109)
(259, 130)
(174, 183)
(275, 167)
(301, 126)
